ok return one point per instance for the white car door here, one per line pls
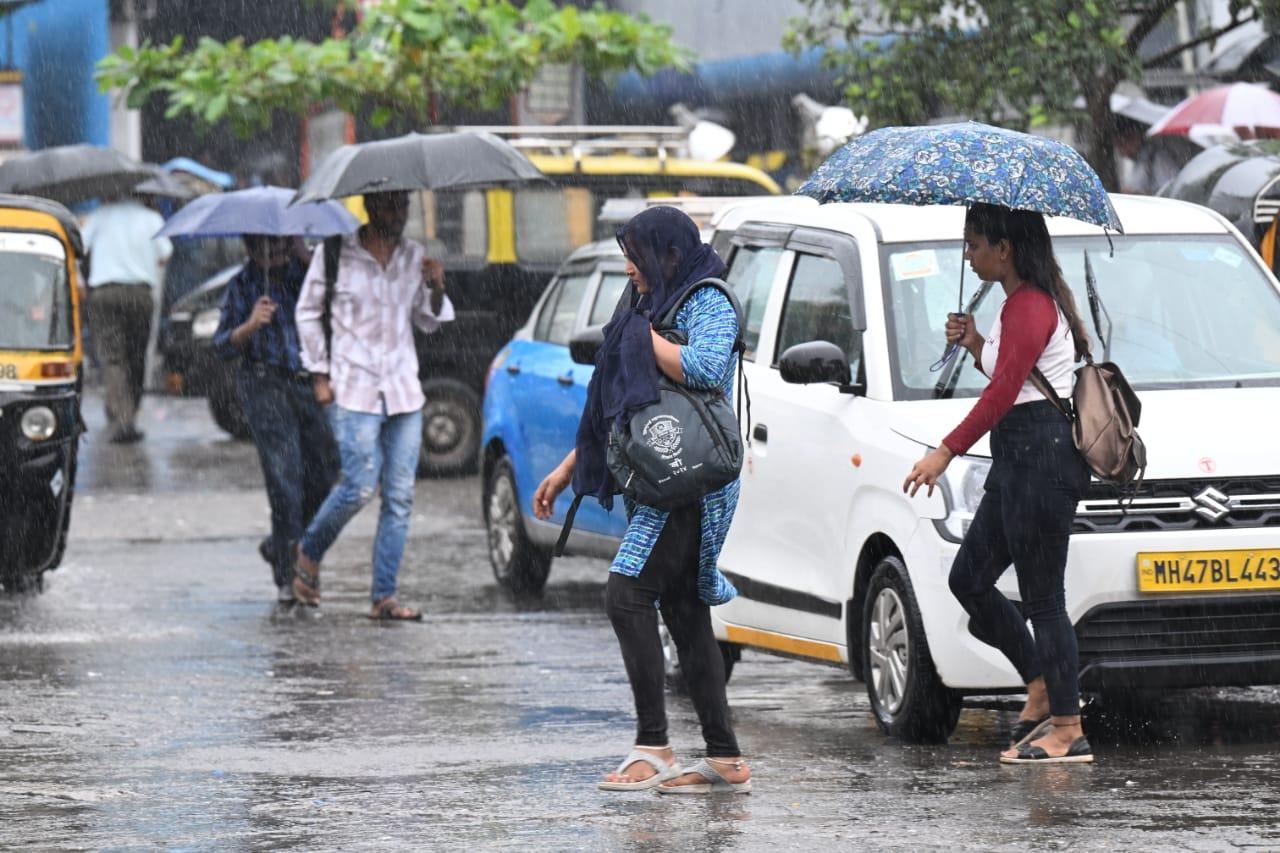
(786, 551)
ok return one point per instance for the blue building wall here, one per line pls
(56, 44)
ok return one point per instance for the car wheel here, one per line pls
(909, 700)
(518, 564)
(450, 428)
(22, 583)
(228, 413)
(729, 653)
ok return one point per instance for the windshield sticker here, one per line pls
(919, 264)
(1228, 256)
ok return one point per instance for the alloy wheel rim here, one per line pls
(889, 647)
(442, 430)
(502, 510)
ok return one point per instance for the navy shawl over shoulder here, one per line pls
(665, 246)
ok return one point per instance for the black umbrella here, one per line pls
(417, 162)
(72, 173)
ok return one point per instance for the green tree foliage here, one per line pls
(1018, 63)
(404, 58)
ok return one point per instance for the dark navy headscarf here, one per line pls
(665, 246)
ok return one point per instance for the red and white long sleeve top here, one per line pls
(1030, 331)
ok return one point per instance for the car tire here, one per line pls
(22, 583)
(450, 429)
(908, 699)
(518, 564)
(227, 411)
(730, 653)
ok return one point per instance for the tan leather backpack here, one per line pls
(1104, 416)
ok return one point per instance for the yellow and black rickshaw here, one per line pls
(40, 383)
(502, 246)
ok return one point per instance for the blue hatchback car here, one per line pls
(534, 395)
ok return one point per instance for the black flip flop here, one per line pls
(1079, 753)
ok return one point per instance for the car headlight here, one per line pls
(206, 323)
(38, 423)
(962, 489)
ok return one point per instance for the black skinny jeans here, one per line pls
(670, 576)
(1037, 478)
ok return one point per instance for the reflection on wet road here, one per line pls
(154, 697)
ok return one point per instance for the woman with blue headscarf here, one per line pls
(667, 560)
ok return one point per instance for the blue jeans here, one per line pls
(377, 451)
(298, 456)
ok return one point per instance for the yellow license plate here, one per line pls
(1209, 571)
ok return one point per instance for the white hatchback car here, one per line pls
(834, 563)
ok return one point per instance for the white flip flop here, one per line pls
(662, 772)
(715, 784)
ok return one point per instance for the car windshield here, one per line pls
(35, 299)
(1180, 310)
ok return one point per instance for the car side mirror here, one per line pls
(584, 345)
(813, 362)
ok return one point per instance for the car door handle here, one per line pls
(513, 369)
(565, 379)
(760, 433)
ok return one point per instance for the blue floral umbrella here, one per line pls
(963, 164)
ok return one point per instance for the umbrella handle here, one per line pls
(950, 353)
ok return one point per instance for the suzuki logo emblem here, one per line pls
(1212, 504)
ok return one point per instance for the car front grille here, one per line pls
(1199, 504)
(1150, 630)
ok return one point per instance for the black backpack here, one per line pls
(685, 445)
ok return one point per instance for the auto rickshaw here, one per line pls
(1241, 181)
(40, 385)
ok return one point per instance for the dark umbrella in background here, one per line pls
(73, 173)
(417, 162)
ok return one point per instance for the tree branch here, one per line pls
(1148, 22)
(1197, 41)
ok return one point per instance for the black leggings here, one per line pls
(670, 576)
(1025, 517)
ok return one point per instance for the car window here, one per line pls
(547, 311)
(1181, 310)
(555, 324)
(612, 284)
(817, 309)
(550, 222)
(459, 219)
(750, 275)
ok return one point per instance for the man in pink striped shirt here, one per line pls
(366, 377)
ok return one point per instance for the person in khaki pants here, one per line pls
(125, 264)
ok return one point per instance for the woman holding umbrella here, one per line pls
(1037, 477)
(1009, 182)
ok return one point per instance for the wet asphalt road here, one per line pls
(155, 697)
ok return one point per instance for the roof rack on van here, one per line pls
(578, 140)
(700, 209)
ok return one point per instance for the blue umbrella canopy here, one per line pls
(259, 210)
(963, 164)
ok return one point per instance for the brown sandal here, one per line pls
(306, 586)
(390, 610)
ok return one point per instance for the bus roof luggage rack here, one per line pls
(578, 140)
